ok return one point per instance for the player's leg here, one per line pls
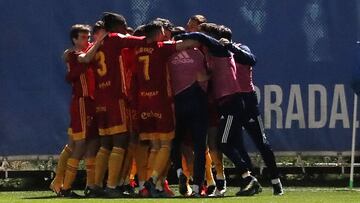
(176, 153)
(187, 167)
(61, 167)
(254, 126)
(154, 149)
(229, 126)
(116, 158)
(72, 167)
(102, 156)
(210, 181)
(197, 120)
(141, 158)
(124, 178)
(217, 158)
(160, 165)
(92, 147)
(187, 160)
(102, 159)
(78, 133)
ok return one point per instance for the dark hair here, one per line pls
(167, 24)
(225, 32)
(151, 29)
(113, 20)
(78, 28)
(211, 29)
(177, 31)
(130, 30)
(98, 26)
(198, 18)
(139, 31)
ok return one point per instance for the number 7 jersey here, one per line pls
(154, 92)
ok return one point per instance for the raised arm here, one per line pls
(213, 45)
(187, 44)
(89, 55)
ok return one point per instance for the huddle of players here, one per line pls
(159, 95)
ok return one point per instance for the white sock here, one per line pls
(246, 174)
(178, 172)
(275, 181)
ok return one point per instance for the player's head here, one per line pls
(130, 30)
(139, 31)
(210, 29)
(225, 32)
(177, 31)
(154, 31)
(114, 22)
(167, 25)
(194, 22)
(98, 30)
(79, 35)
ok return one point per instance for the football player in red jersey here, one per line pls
(82, 131)
(155, 100)
(110, 102)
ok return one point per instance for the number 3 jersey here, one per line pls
(109, 71)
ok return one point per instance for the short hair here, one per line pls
(139, 31)
(198, 18)
(130, 30)
(167, 24)
(177, 31)
(98, 26)
(225, 32)
(211, 29)
(152, 28)
(113, 20)
(78, 28)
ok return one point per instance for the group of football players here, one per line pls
(158, 96)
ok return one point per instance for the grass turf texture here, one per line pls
(292, 195)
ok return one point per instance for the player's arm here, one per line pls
(89, 55)
(242, 53)
(213, 45)
(186, 44)
(123, 41)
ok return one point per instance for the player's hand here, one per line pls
(224, 41)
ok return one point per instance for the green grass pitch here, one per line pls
(292, 195)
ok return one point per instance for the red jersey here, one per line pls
(80, 76)
(109, 71)
(128, 59)
(153, 88)
(152, 75)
